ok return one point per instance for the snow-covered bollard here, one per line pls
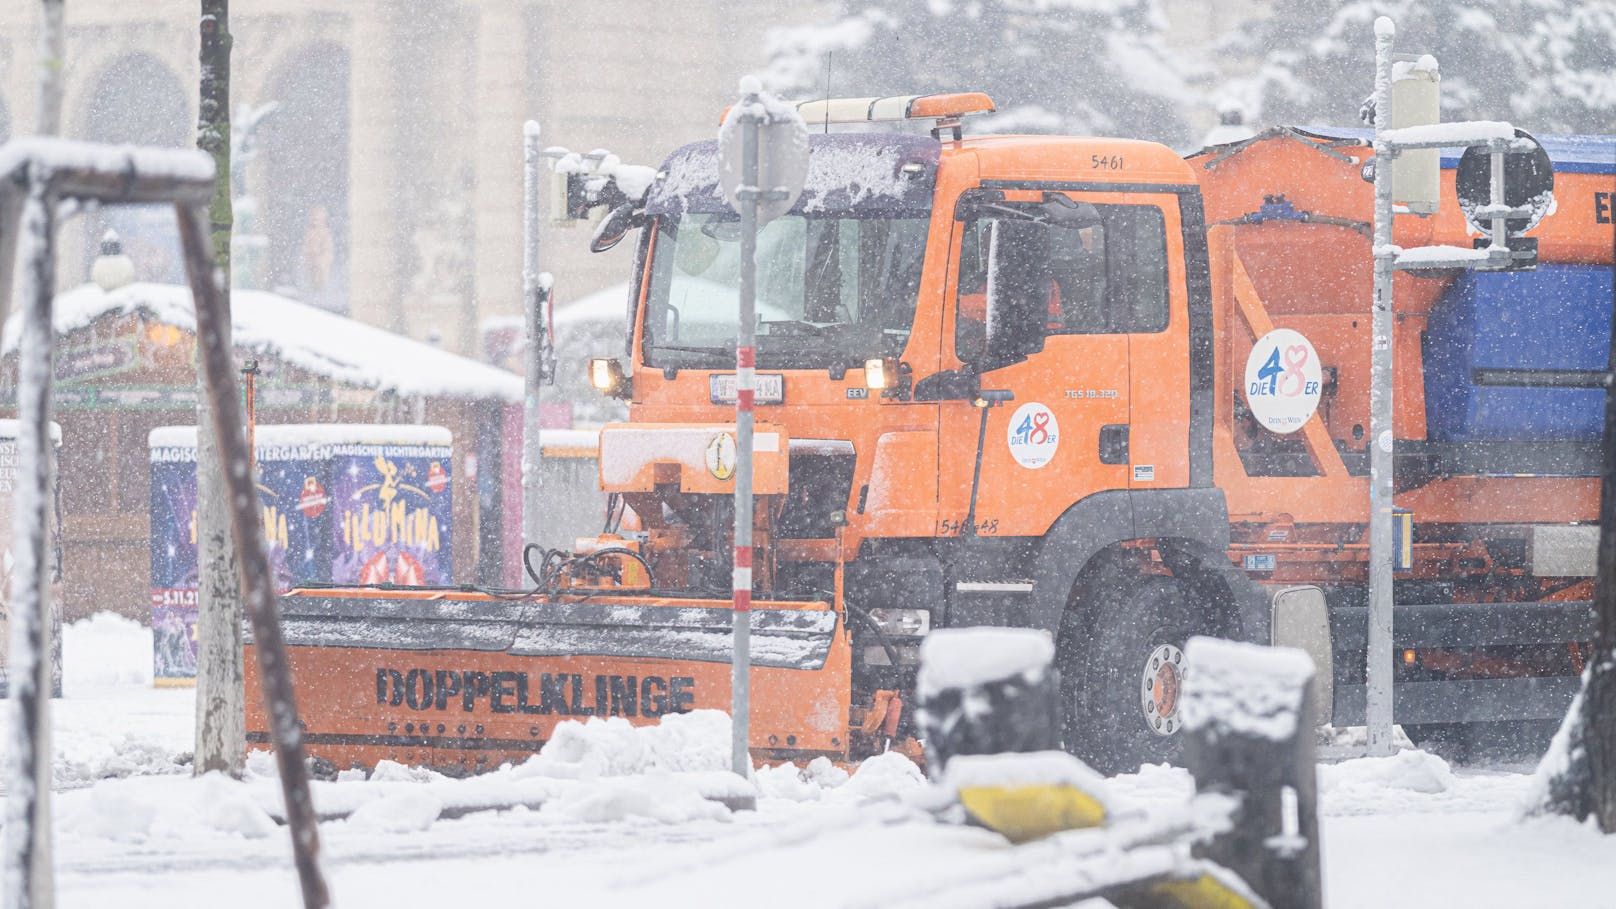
(1248, 719)
(986, 691)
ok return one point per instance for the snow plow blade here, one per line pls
(466, 680)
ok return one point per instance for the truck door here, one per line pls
(1096, 262)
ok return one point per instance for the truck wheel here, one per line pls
(1122, 672)
(1501, 741)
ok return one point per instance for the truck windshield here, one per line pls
(832, 290)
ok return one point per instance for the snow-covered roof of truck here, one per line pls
(871, 172)
(1569, 153)
(324, 343)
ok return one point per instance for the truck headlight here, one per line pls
(880, 373)
(901, 623)
(606, 375)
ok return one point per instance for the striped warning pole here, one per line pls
(745, 383)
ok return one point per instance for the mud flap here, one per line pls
(466, 680)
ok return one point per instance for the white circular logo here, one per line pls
(721, 456)
(1283, 380)
(1033, 435)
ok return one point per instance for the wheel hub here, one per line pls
(1163, 682)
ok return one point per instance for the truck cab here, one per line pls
(980, 362)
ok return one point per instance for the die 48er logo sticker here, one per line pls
(1283, 380)
(1033, 435)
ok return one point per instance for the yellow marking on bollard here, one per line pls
(1023, 813)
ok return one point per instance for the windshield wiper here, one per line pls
(801, 327)
(700, 350)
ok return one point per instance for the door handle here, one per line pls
(1114, 443)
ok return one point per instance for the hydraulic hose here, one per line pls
(881, 636)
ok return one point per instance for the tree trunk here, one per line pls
(1583, 784)
(220, 709)
(52, 59)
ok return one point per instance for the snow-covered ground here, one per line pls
(615, 817)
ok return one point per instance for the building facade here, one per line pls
(387, 180)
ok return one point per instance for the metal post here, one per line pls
(1499, 235)
(27, 861)
(257, 582)
(249, 379)
(745, 384)
(533, 363)
(1378, 657)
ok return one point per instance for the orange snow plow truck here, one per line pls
(1078, 384)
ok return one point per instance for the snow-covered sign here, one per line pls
(1283, 380)
(782, 151)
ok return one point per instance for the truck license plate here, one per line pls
(770, 388)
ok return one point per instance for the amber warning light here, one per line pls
(942, 107)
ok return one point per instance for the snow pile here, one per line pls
(106, 650)
(883, 776)
(384, 772)
(953, 658)
(657, 795)
(1244, 689)
(802, 784)
(160, 811)
(80, 760)
(403, 811)
(1367, 778)
(602, 747)
(110, 723)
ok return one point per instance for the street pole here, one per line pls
(1378, 656)
(745, 385)
(535, 296)
(257, 583)
(28, 880)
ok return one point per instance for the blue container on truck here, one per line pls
(1557, 317)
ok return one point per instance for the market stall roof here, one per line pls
(274, 327)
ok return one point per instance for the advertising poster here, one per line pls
(173, 561)
(394, 503)
(392, 526)
(293, 482)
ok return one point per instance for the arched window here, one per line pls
(138, 100)
(302, 191)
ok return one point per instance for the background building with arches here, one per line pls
(387, 182)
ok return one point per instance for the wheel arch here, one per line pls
(1197, 520)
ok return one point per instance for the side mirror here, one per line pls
(615, 226)
(1018, 291)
